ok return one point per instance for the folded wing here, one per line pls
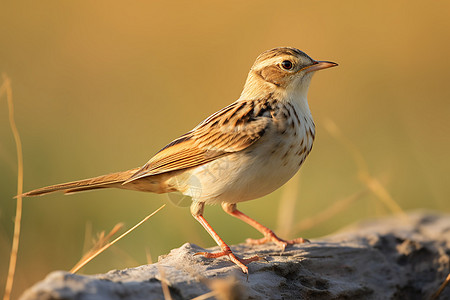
(232, 129)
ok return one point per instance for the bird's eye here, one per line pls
(286, 64)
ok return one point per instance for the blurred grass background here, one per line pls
(101, 86)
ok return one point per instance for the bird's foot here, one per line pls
(271, 237)
(240, 262)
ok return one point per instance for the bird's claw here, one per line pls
(240, 262)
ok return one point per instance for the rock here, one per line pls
(389, 258)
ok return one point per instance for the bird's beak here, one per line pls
(320, 65)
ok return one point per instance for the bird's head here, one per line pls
(283, 70)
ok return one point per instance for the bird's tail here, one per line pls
(104, 181)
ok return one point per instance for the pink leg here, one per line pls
(197, 213)
(269, 235)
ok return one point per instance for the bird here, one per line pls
(242, 152)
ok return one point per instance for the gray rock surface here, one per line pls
(386, 258)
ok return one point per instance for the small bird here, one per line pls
(242, 152)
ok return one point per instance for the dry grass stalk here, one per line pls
(222, 289)
(100, 242)
(97, 252)
(102, 239)
(6, 89)
(328, 213)
(206, 296)
(87, 238)
(164, 283)
(435, 296)
(286, 211)
(226, 288)
(372, 183)
(148, 255)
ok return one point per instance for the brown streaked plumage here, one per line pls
(244, 151)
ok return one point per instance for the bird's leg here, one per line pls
(197, 213)
(269, 235)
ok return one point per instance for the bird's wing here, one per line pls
(229, 130)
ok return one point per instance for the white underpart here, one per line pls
(260, 169)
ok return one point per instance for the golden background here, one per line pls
(100, 86)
